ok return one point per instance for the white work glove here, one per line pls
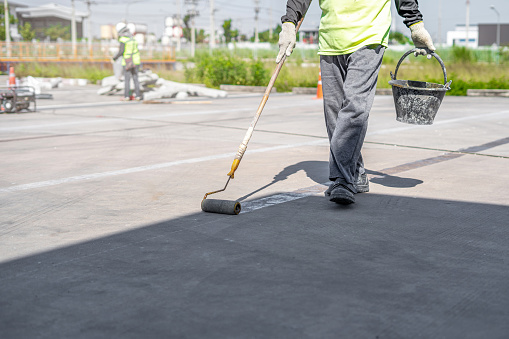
(422, 39)
(287, 40)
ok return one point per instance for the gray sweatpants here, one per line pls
(349, 85)
(133, 72)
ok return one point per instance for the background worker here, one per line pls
(131, 60)
(353, 35)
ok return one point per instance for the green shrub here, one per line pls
(225, 68)
(462, 54)
(258, 74)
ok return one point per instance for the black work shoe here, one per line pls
(327, 192)
(340, 194)
(362, 185)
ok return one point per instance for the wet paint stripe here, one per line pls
(101, 175)
(280, 198)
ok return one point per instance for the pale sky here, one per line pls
(153, 12)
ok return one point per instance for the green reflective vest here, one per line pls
(130, 49)
(347, 25)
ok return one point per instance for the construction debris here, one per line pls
(40, 84)
(46, 84)
(154, 87)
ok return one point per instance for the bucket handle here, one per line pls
(393, 76)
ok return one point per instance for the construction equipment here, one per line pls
(14, 99)
(229, 206)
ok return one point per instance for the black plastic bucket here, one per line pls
(417, 102)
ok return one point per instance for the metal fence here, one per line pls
(64, 51)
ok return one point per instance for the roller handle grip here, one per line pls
(235, 165)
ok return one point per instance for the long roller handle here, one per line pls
(249, 132)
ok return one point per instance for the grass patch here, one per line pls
(463, 75)
(91, 72)
(225, 68)
(294, 75)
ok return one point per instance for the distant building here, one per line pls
(458, 37)
(108, 32)
(13, 29)
(45, 16)
(13, 6)
(308, 36)
(488, 34)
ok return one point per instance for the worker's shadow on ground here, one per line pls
(392, 180)
(318, 172)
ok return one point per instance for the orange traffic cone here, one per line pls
(319, 93)
(12, 77)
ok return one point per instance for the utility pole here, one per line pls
(127, 9)
(498, 25)
(212, 38)
(270, 23)
(439, 22)
(467, 22)
(7, 29)
(193, 13)
(89, 22)
(73, 30)
(179, 24)
(394, 15)
(256, 40)
(257, 10)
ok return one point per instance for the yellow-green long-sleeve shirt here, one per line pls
(347, 25)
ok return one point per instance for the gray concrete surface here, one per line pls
(102, 235)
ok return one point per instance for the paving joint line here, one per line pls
(436, 149)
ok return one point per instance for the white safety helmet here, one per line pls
(120, 27)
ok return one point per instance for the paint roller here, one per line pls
(230, 206)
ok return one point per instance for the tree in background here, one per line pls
(26, 31)
(200, 36)
(12, 20)
(265, 36)
(229, 33)
(58, 31)
(400, 38)
(186, 30)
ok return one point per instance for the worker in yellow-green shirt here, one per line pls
(131, 60)
(353, 35)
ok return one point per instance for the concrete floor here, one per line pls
(102, 235)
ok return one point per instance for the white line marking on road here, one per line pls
(148, 167)
(79, 122)
(83, 105)
(94, 120)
